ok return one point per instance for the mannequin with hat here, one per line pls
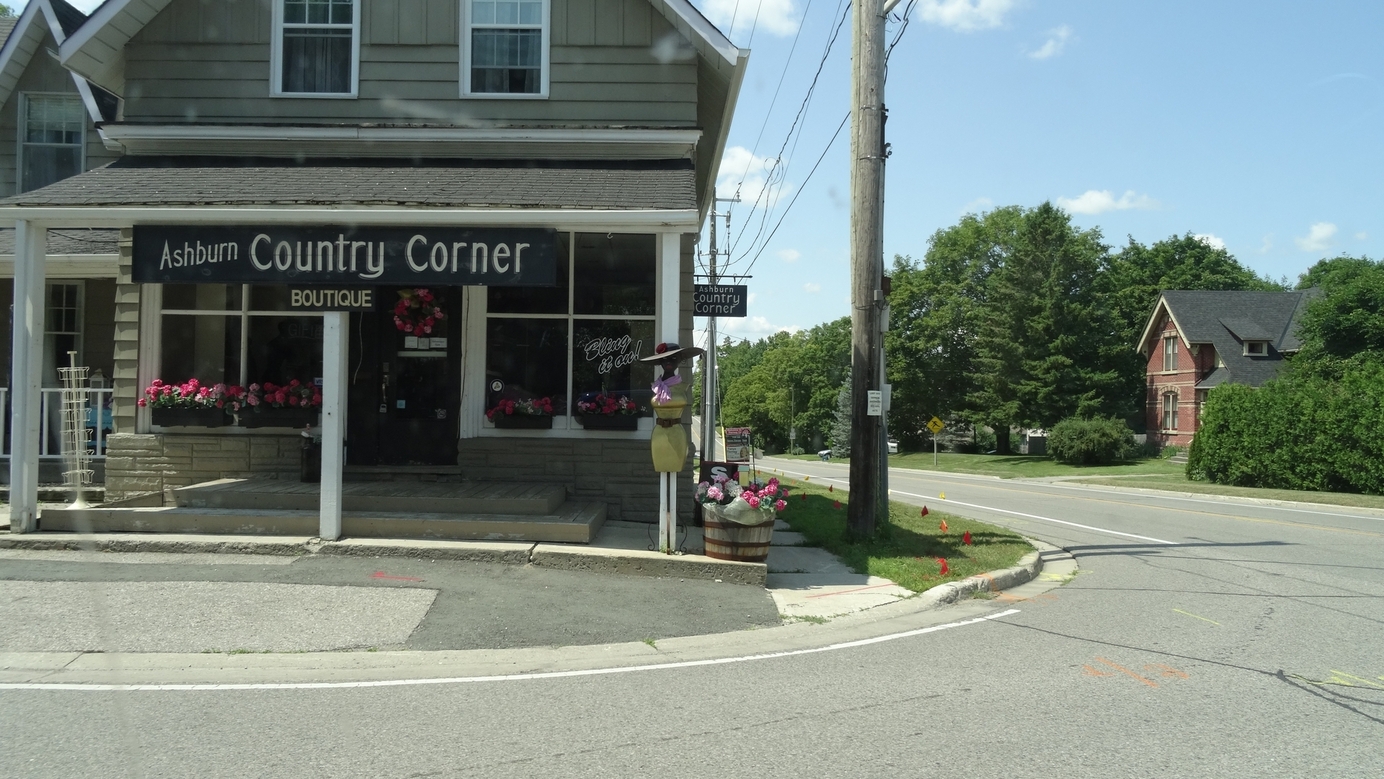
(668, 443)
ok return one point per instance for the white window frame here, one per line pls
(465, 48)
(22, 131)
(276, 57)
(1170, 411)
(1169, 353)
(1263, 350)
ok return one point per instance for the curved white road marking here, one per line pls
(501, 678)
(946, 501)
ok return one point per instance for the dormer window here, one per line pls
(316, 50)
(504, 48)
(1256, 348)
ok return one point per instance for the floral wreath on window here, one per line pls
(417, 312)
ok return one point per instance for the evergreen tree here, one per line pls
(841, 427)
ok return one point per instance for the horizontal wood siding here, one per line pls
(41, 75)
(208, 61)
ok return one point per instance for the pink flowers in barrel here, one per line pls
(294, 394)
(417, 312)
(193, 394)
(749, 504)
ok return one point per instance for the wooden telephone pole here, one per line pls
(867, 247)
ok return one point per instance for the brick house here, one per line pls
(1196, 340)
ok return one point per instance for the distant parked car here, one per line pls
(893, 447)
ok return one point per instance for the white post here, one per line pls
(25, 368)
(669, 317)
(335, 328)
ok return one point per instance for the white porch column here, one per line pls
(25, 368)
(335, 328)
(669, 314)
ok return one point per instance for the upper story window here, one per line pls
(52, 146)
(1256, 348)
(1170, 353)
(316, 47)
(504, 48)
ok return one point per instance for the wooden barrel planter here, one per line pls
(733, 541)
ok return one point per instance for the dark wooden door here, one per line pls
(404, 395)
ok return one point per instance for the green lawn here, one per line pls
(907, 551)
(1180, 483)
(1017, 466)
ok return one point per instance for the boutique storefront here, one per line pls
(465, 344)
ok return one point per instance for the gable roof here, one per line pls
(23, 39)
(1226, 319)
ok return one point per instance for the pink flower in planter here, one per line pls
(253, 400)
(780, 505)
(752, 500)
(294, 382)
(293, 400)
(715, 493)
(141, 403)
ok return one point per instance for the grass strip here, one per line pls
(1016, 466)
(1183, 484)
(906, 550)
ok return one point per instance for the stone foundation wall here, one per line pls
(158, 462)
(618, 471)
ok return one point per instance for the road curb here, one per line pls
(1030, 565)
(640, 563)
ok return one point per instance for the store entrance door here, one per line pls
(405, 388)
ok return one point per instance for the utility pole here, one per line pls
(710, 387)
(867, 297)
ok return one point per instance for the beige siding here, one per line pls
(208, 61)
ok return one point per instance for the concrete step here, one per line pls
(377, 496)
(575, 521)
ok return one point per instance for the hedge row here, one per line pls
(1295, 433)
(1098, 441)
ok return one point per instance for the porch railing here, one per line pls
(98, 420)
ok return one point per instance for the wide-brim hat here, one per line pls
(667, 352)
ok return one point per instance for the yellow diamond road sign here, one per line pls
(935, 425)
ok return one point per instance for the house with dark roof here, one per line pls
(1196, 340)
(516, 184)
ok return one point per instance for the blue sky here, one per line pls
(1256, 124)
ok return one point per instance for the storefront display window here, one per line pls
(583, 337)
(236, 334)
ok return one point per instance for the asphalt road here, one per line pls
(1200, 638)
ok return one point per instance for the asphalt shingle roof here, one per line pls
(7, 24)
(144, 181)
(69, 241)
(1225, 319)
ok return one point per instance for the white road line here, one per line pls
(1007, 511)
(501, 678)
(1221, 503)
(1035, 516)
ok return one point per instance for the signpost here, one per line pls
(720, 300)
(738, 445)
(935, 425)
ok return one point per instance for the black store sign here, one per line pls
(719, 300)
(337, 256)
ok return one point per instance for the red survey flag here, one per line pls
(836, 504)
(966, 539)
(943, 526)
(943, 562)
(924, 511)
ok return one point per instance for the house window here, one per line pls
(62, 329)
(1170, 353)
(52, 146)
(1170, 411)
(582, 337)
(1256, 348)
(316, 47)
(504, 48)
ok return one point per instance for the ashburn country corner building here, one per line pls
(541, 167)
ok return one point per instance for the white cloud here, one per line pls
(777, 17)
(965, 15)
(1318, 237)
(812, 287)
(1362, 235)
(1267, 244)
(749, 298)
(1210, 240)
(1056, 42)
(1098, 201)
(752, 328)
(979, 205)
(745, 173)
(790, 256)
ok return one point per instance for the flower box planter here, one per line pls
(611, 422)
(729, 540)
(522, 422)
(190, 417)
(278, 417)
